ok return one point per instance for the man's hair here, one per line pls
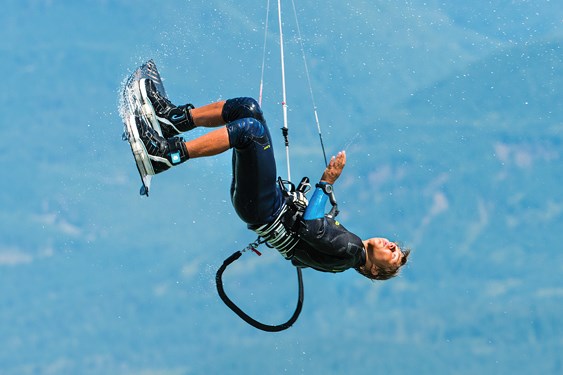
(385, 273)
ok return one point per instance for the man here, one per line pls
(316, 240)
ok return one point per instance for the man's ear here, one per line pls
(374, 270)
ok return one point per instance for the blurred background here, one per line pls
(451, 116)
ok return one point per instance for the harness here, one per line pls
(282, 233)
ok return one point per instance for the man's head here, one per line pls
(383, 259)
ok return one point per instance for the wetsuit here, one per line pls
(324, 244)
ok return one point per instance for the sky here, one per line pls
(450, 114)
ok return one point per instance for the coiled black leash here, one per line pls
(242, 314)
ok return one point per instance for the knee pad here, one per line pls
(246, 130)
(239, 108)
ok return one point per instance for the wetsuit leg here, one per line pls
(239, 108)
(254, 192)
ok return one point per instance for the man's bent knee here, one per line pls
(245, 131)
(239, 108)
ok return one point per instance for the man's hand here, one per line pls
(335, 167)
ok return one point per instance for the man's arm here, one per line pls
(317, 203)
(336, 249)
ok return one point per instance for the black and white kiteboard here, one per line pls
(133, 109)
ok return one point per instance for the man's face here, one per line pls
(384, 253)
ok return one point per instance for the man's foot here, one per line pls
(173, 119)
(163, 152)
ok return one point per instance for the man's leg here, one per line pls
(175, 119)
(212, 143)
(173, 150)
(220, 113)
(210, 115)
(167, 152)
(254, 192)
(223, 112)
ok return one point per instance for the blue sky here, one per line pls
(451, 117)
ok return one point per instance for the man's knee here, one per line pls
(246, 130)
(239, 108)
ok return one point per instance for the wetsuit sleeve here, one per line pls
(316, 207)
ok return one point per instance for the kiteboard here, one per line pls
(133, 109)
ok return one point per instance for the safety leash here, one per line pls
(253, 322)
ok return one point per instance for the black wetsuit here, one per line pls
(327, 246)
(324, 244)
